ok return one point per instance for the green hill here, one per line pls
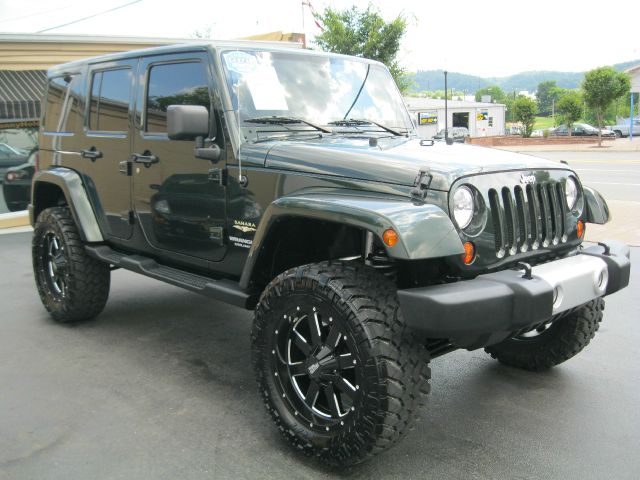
(434, 80)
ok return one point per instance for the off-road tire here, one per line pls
(393, 365)
(85, 280)
(563, 339)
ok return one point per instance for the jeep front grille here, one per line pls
(527, 218)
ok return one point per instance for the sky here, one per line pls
(486, 38)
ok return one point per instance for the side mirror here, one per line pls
(186, 122)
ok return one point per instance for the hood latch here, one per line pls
(421, 184)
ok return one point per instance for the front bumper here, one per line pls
(479, 312)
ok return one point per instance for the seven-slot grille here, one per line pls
(528, 217)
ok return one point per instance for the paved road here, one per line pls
(614, 174)
(617, 176)
(160, 387)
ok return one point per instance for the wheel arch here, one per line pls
(424, 230)
(58, 186)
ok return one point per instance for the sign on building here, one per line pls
(427, 118)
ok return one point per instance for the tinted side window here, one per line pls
(110, 93)
(63, 100)
(174, 84)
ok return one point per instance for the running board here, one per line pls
(224, 290)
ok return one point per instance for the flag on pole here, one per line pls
(315, 15)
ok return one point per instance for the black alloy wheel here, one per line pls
(315, 363)
(55, 265)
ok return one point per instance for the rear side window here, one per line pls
(63, 102)
(174, 84)
(110, 94)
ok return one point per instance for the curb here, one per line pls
(14, 219)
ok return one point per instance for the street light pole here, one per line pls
(446, 111)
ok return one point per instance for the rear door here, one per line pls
(179, 199)
(107, 142)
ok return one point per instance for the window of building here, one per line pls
(110, 94)
(63, 101)
(174, 84)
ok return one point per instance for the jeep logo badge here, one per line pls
(527, 179)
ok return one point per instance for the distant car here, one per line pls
(16, 185)
(10, 157)
(622, 129)
(458, 134)
(581, 130)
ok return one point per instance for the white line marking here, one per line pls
(598, 170)
(613, 183)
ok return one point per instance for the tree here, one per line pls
(570, 108)
(601, 86)
(364, 34)
(524, 111)
(496, 93)
(548, 93)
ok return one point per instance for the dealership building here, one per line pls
(482, 119)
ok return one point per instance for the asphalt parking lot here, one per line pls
(160, 386)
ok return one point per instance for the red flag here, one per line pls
(315, 15)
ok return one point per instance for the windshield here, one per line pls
(323, 90)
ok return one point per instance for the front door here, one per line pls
(179, 199)
(107, 143)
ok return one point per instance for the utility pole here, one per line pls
(446, 112)
(553, 111)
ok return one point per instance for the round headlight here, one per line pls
(571, 192)
(463, 206)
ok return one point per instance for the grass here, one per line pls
(543, 122)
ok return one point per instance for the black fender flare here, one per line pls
(72, 187)
(424, 230)
(596, 208)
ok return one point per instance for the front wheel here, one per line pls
(553, 342)
(72, 285)
(339, 373)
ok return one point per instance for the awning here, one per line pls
(20, 94)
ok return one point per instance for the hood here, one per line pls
(394, 160)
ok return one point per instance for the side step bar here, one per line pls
(224, 290)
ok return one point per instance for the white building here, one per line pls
(482, 119)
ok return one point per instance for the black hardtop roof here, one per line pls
(70, 67)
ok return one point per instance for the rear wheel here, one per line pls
(618, 133)
(338, 372)
(72, 285)
(554, 342)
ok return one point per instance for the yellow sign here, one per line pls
(427, 118)
(19, 124)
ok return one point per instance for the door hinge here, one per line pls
(218, 175)
(124, 167)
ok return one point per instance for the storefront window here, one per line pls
(18, 150)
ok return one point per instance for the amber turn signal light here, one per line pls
(469, 253)
(580, 228)
(390, 237)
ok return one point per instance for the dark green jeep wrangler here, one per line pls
(293, 183)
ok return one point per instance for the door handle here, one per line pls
(91, 153)
(146, 158)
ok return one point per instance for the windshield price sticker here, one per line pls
(240, 62)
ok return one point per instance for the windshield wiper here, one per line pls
(356, 122)
(282, 120)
